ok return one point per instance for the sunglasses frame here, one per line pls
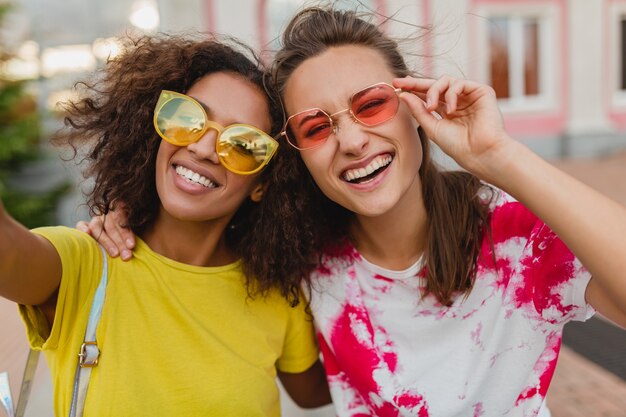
(210, 124)
(333, 125)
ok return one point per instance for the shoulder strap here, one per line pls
(27, 379)
(89, 352)
(87, 359)
(5, 390)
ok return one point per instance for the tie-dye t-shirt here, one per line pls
(388, 352)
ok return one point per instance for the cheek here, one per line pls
(420, 135)
(316, 164)
(241, 184)
(161, 159)
(412, 140)
(419, 151)
(165, 152)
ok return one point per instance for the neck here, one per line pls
(396, 239)
(190, 242)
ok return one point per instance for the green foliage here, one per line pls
(33, 210)
(19, 126)
(19, 145)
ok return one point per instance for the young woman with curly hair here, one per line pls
(177, 128)
(433, 293)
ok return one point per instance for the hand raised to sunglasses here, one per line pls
(470, 129)
(108, 231)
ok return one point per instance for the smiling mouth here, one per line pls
(194, 178)
(366, 173)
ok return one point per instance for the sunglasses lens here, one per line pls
(244, 150)
(371, 106)
(180, 121)
(309, 128)
(375, 104)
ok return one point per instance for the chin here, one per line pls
(372, 210)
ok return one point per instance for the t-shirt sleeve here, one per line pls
(300, 349)
(81, 262)
(546, 274)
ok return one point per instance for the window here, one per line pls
(516, 69)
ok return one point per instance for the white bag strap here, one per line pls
(27, 382)
(87, 359)
(89, 352)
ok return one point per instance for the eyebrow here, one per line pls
(206, 108)
(311, 116)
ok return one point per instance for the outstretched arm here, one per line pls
(472, 132)
(30, 267)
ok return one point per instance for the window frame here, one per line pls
(618, 55)
(546, 17)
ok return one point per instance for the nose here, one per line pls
(205, 147)
(351, 136)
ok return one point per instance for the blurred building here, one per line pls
(558, 66)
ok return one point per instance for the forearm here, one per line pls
(30, 268)
(589, 223)
(472, 133)
(308, 389)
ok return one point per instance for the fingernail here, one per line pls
(428, 103)
(130, 243)
(126, 254)
(113, 251)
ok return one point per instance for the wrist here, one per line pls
(498, 163)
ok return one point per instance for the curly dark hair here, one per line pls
(302, 222)
(114, 116)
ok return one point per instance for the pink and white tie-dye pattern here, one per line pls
(389, 352)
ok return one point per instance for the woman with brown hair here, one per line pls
(434, 293)
(178, 133)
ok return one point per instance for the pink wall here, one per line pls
(209, 14)
(552, 122)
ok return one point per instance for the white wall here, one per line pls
(587, 70)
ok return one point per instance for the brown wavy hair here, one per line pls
(302, 222)
(114, 117)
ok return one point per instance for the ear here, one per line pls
(257, 193)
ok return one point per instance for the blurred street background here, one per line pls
(558, 67)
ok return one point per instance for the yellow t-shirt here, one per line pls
(175, 339)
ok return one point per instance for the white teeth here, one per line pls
(194, 177)
(377, 163)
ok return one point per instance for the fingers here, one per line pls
(108, 232)
(95, 228)
(441, 95)
(429, 120)
(83, 226)
(118, 221)
(120, 237)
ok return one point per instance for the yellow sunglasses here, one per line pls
(241, 148)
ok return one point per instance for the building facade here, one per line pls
(558, 66)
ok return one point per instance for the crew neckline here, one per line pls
(141, 244)
(410, 272)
